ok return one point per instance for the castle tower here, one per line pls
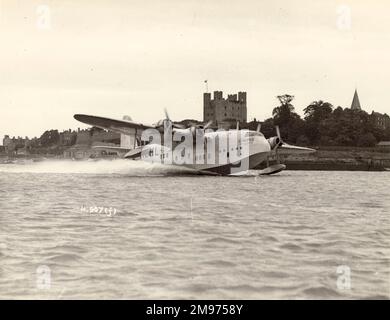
(208, 111)
(355, 102)
(219, 109)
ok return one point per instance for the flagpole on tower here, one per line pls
(207, 86)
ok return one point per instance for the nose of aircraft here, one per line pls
(260, 144)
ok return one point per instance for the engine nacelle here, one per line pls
(275, 142)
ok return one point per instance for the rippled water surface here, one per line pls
(187, 236)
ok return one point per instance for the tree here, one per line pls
(290, 123)
(367, 140)
(49, 138)
(268, 128)
(323, 125)
(303, 140)
(283, 112)
(95, 129)
(318, 111)
(315, 113)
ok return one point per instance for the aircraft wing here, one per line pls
(119, 126)
(290, 149)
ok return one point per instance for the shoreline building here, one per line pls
(16, 146)
(380, 121)
(223, 111)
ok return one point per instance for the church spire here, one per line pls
(355, 102)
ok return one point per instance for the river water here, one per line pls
(158, 233)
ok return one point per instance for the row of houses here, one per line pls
(58, 141)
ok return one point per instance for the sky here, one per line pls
(115, 58)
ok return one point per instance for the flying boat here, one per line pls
(220, 152)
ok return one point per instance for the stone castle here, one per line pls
(224, 111)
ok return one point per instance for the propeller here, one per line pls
(203, 126)
(208, 124)
(276, 142)
(280, 140)
(166, 114)
(200, 127)
(167, 122)
(279, 144)
(278, 132)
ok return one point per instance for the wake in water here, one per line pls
(103, 166)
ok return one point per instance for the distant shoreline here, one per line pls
(335, 166)
(340, 159)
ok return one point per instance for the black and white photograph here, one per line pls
(194, 150)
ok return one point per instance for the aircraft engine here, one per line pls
(275, 142)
